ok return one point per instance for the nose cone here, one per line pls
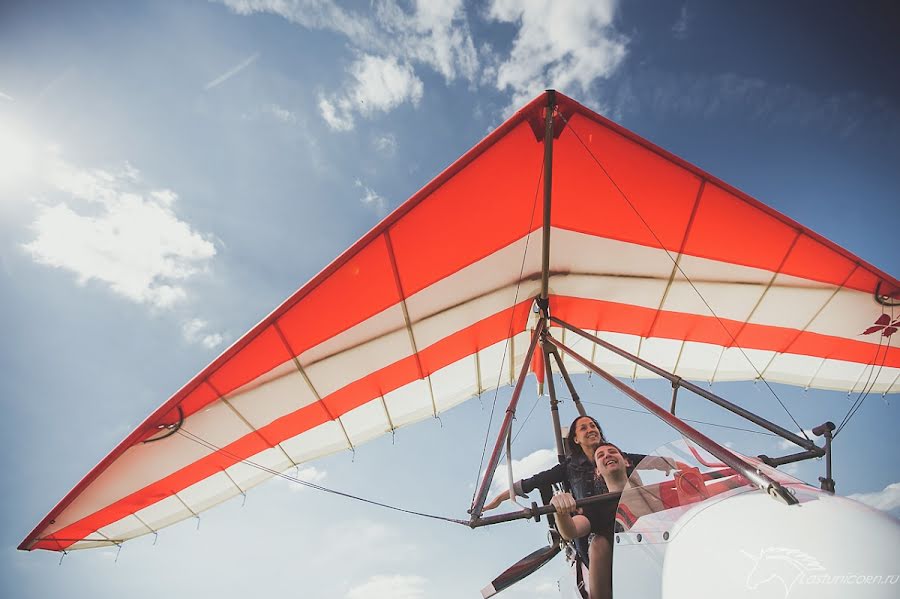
(751, 546)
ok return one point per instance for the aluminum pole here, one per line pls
(677, 380)
(748, 471)
(478, 504)
(548, 188)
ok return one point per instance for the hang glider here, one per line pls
(434, 305)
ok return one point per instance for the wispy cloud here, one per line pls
(888, 499)
(110, 226)
(560, 45)
(195, 330)
(386, 144)
(389, 587)
(680, 27)
(232, 72)
(377, 84)
(6, 97)
(371, 198)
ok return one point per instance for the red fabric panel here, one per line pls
(634, 320)
(479, 210)
(810, 259)
(455, 347)
(362, 287)
(260, 356)
(729, 229)
(585, 200)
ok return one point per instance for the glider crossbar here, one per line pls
(680, 382)
(748, 471)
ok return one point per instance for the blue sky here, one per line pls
(170, 172)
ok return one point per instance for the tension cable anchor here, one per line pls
(170, 429)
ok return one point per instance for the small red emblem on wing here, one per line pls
(885, 325)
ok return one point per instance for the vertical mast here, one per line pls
(548, 186)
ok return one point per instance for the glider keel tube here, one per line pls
(758, 478)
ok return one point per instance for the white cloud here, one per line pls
(114, 229)
(390, 41)
(563, 45)
(310, 474)
(6, 97)
(371, 197)
(386, 144)
(282, 114)
(389, 587)
(680, 28)
(377, 85)
(888, 499)
(535, 462)
(231, 72)
(194, 331)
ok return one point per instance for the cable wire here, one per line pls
(680, 270)
(487, 433)
(216, 449)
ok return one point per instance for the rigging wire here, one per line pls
(867, 388)
(487, 432)
(680, 270)
(635, 410)
(216, 449)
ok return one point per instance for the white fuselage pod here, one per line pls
(749, 545)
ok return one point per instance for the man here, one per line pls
(598, 520)
(577, 474)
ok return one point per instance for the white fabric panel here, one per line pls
(262, 405)
(728, 301)
(519, 346)
(659, 352)
(164, 512)
(792, 369)
(336, 371)
(497, 273)
(90, 545)
(494, 363)
(325, 439)
(208, 492)
(738, 365)
(790, 306)
(366, 422)
(410, 403)
(455, 383)
(146, 463)
(698, 361)
(834, 374)
(848, 314)
(128, 527)
(581, 253)
(613, 363)
(389, 320)
(248, 476)
(647, 293)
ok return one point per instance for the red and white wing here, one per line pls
(432, 307)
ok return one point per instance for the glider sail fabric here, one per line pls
(433, 306)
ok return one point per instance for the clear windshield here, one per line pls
(674, 479)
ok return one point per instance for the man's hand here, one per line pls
(564, 503)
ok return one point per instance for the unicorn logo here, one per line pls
(786, 566)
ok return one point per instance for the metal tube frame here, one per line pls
(748, 471)
(554, 404)
(481, 496)
(677, 380)
(565, 374)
